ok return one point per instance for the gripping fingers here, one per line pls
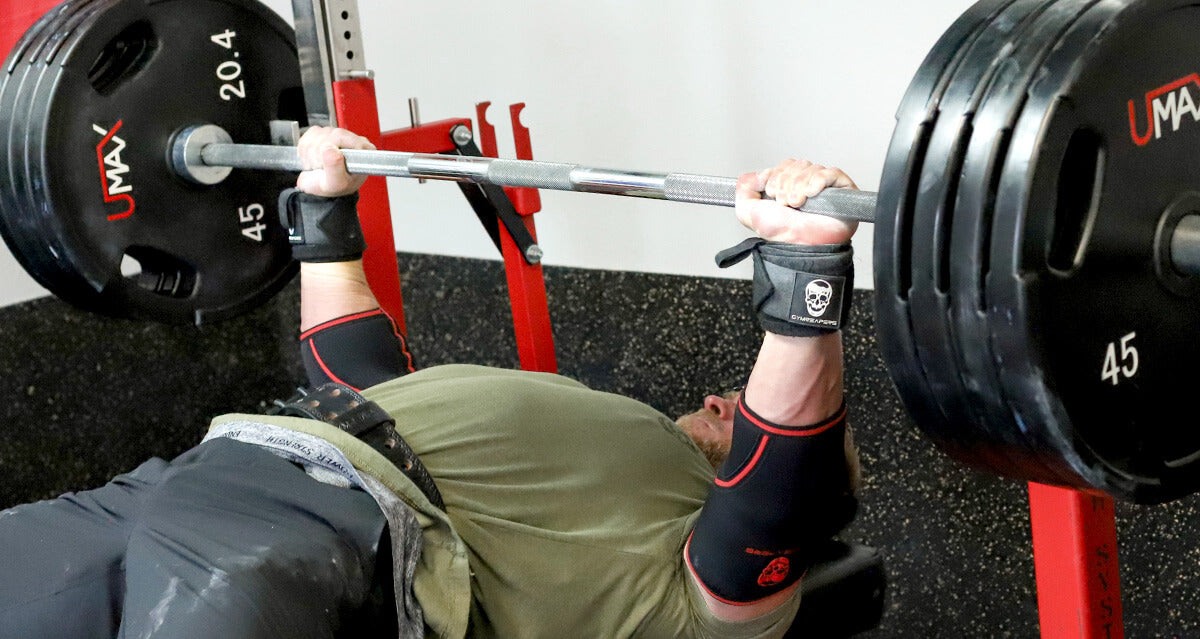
(828, 178)
(320, 153)
(316, 138)
(343, 139)
(780, 183)
(792, 182)
(789, 184)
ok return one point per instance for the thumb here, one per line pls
(749, 196)
(751, 185)
(332, 159)
(310, 181)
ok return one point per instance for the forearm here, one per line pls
(329, 290)
(797, 380)
(345, 337)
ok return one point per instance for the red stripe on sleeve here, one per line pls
(403, 345)
(340, 320)
(726, 483)
(802, 431)
(329, 373)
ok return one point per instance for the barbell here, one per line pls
(1037, 239)
(205, 154)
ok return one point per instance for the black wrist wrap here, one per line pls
(322, 229)
(782, 490)
(799, 290)
(358, 351)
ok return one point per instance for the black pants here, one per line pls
(228, 540)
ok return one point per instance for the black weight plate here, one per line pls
(1054, 449)
(20, 228)
(139, 72)
(1034, 458)
(1087, 335)
(83, 12)
(972, 354)
(914, 120)
(15, 69)
(153, 277)
(22, 231)
(52, 271)
(54, 31)
(999, 55)
(21, 72)
(931, 215)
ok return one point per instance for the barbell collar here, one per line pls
(187, 148)
(1185, 245)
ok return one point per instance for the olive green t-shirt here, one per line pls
(573, 506)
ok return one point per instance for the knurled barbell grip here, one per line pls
(846, 204)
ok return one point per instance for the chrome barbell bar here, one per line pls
(205, 154)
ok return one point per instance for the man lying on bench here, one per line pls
(461, 500)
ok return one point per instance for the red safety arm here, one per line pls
(1075, 560)
(526, 283)
(432, 137)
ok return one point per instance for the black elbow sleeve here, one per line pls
(359, 350)
(782, 490)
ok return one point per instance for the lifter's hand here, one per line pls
(325, 167)
(791, 183)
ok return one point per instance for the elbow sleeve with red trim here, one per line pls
(359, 350)
(782, 490)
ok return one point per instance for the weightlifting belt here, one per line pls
(342, 406)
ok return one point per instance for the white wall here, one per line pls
(701, 86)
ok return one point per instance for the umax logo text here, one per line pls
(113, 170)
(1165, 108)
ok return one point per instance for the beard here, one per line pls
(714, 451)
